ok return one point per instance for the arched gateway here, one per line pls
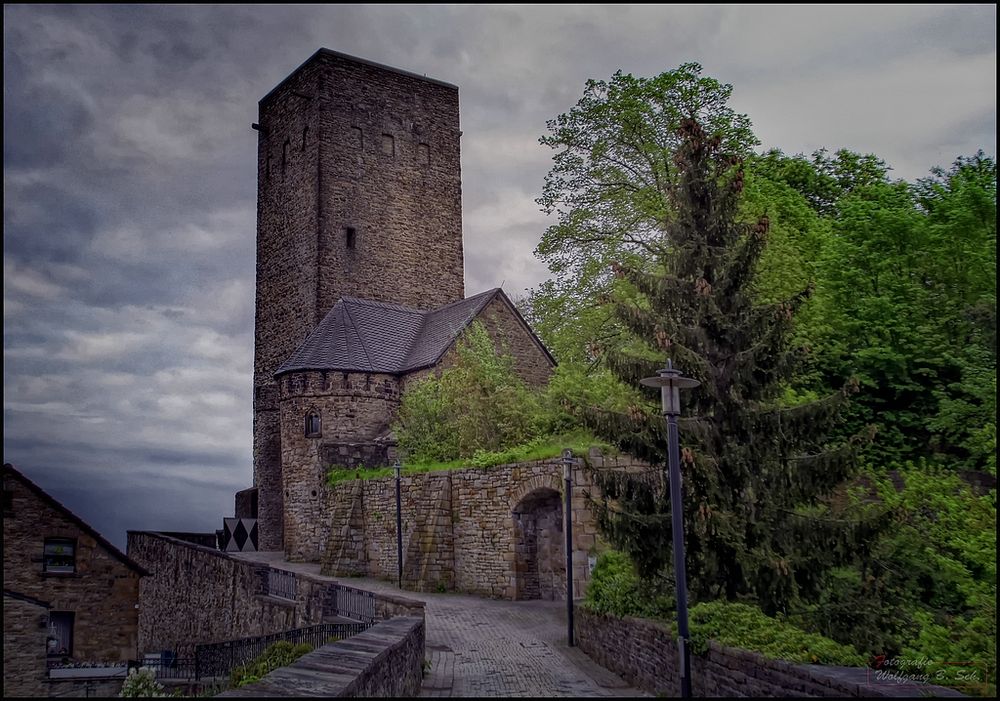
(540, 561)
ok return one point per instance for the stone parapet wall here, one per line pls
(383, 662)
(644, 653)
(197, 595)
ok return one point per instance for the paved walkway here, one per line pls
(484, 647)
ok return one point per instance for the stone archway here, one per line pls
(539, 551)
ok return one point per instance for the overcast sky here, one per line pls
(130, 195)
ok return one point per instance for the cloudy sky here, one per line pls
(129, 188)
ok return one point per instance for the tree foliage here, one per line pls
(892, 285)
(748, 461)
(477, 404)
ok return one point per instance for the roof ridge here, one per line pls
(478, 303)
(492, 290)
(357, 333)
(384, 305)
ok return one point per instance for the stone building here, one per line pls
(57, 567)
(360, 275)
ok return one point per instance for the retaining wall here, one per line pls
(644, 654)
(383, 662)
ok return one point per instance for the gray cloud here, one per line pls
(129, 184)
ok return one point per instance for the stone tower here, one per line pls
(358, 194)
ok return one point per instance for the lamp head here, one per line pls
(671, 382)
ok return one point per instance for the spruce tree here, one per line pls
(754, 469)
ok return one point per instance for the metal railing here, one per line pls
(282, 584)
(219, 659)
(172, 668)
(348, 602)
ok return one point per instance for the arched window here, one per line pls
(313, 425)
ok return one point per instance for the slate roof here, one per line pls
(359, 335)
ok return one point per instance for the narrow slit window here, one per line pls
(388, 145)
(267, 166)
(305, 137)
(350, 237)
(284, 158)
(358, 137)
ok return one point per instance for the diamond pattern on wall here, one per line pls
(239, 535)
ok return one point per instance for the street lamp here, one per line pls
(671, 382)
(567, 462)
(399, 528)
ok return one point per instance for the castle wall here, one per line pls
(459, 530)
(354, 408)
(198, 595)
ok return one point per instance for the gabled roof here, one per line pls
(9, 469)
(359, 335)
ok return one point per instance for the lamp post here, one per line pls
(399, 528)
(567, 463)
(670, 381)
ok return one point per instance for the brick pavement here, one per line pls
(484, 647)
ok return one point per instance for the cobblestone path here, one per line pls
(483, 647)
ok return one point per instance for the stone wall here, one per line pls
(102, 590)
(465, 530)
(25, 630)
(198, 595)
(267, 465)
(383, 662)
(644, 654)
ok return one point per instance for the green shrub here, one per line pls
(477, 404)
(141, 683)
(747, 627)
(616, 589)
(280, 654)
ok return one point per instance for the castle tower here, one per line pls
(358, 194)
